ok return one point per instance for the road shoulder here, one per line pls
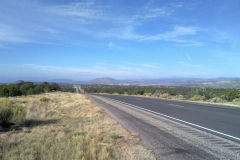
(168, 139)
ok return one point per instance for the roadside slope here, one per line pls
(67, 126)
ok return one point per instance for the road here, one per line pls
(218, 118)
(177, 130)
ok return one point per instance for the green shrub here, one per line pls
(79, 133)
(147, 94)
(164, 95)
(67, 130)
(114, 136)
(216, 100)
(44, 99)
(28, 88)
(10, 111)
(197, 98)
(231, 95)
(236, 101)
(181, 97)
(6, 115)
(19, 112)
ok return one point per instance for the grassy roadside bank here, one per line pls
(67, 126)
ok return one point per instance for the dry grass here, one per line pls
(68, 126)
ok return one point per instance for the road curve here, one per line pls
(170, 139)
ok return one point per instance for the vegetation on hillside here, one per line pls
(29, 88)
(10, 111)
(184, 93)
(65, 126)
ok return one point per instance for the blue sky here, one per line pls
(81, 40)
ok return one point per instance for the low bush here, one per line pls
(30, 88)
(147, 94)
(180, 97)
(216, 100)
(5, 115)
(236, 101)
(79, 133)
(114, 136)
(10, 111)
(44, 99)
(19, 112)
(164, 95)
(67, 130)
(231, 95)
(197, 98)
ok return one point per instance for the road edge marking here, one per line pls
(176, 119)
(176, 105)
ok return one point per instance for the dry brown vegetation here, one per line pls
(67, 126)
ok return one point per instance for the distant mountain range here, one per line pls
(187, 82)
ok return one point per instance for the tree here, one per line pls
(231, 95)
(14, 90)
(54, 87)
(25, 86)
(38, 89)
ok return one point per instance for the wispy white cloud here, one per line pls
(187, 43)
(195, 74)
(190, 69)
(134, 66)
(173, 35)
(152, 65)
(11, 34)
(154, 12)
(89, 12)
(112, 45)
(126, 32)
(118, 71)
(177, 34)
(58, 69)
(190, 65)
(80, 17)
(83, 11)
(47, 29)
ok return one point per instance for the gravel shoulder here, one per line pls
(168, 139)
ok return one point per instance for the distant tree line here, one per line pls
(194, 93)
(28, 88)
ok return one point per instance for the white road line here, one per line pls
(175, 105)
(176, 119)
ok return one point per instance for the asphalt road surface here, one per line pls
(177, 130)
(218, 118)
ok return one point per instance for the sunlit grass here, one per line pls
(67, 126)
